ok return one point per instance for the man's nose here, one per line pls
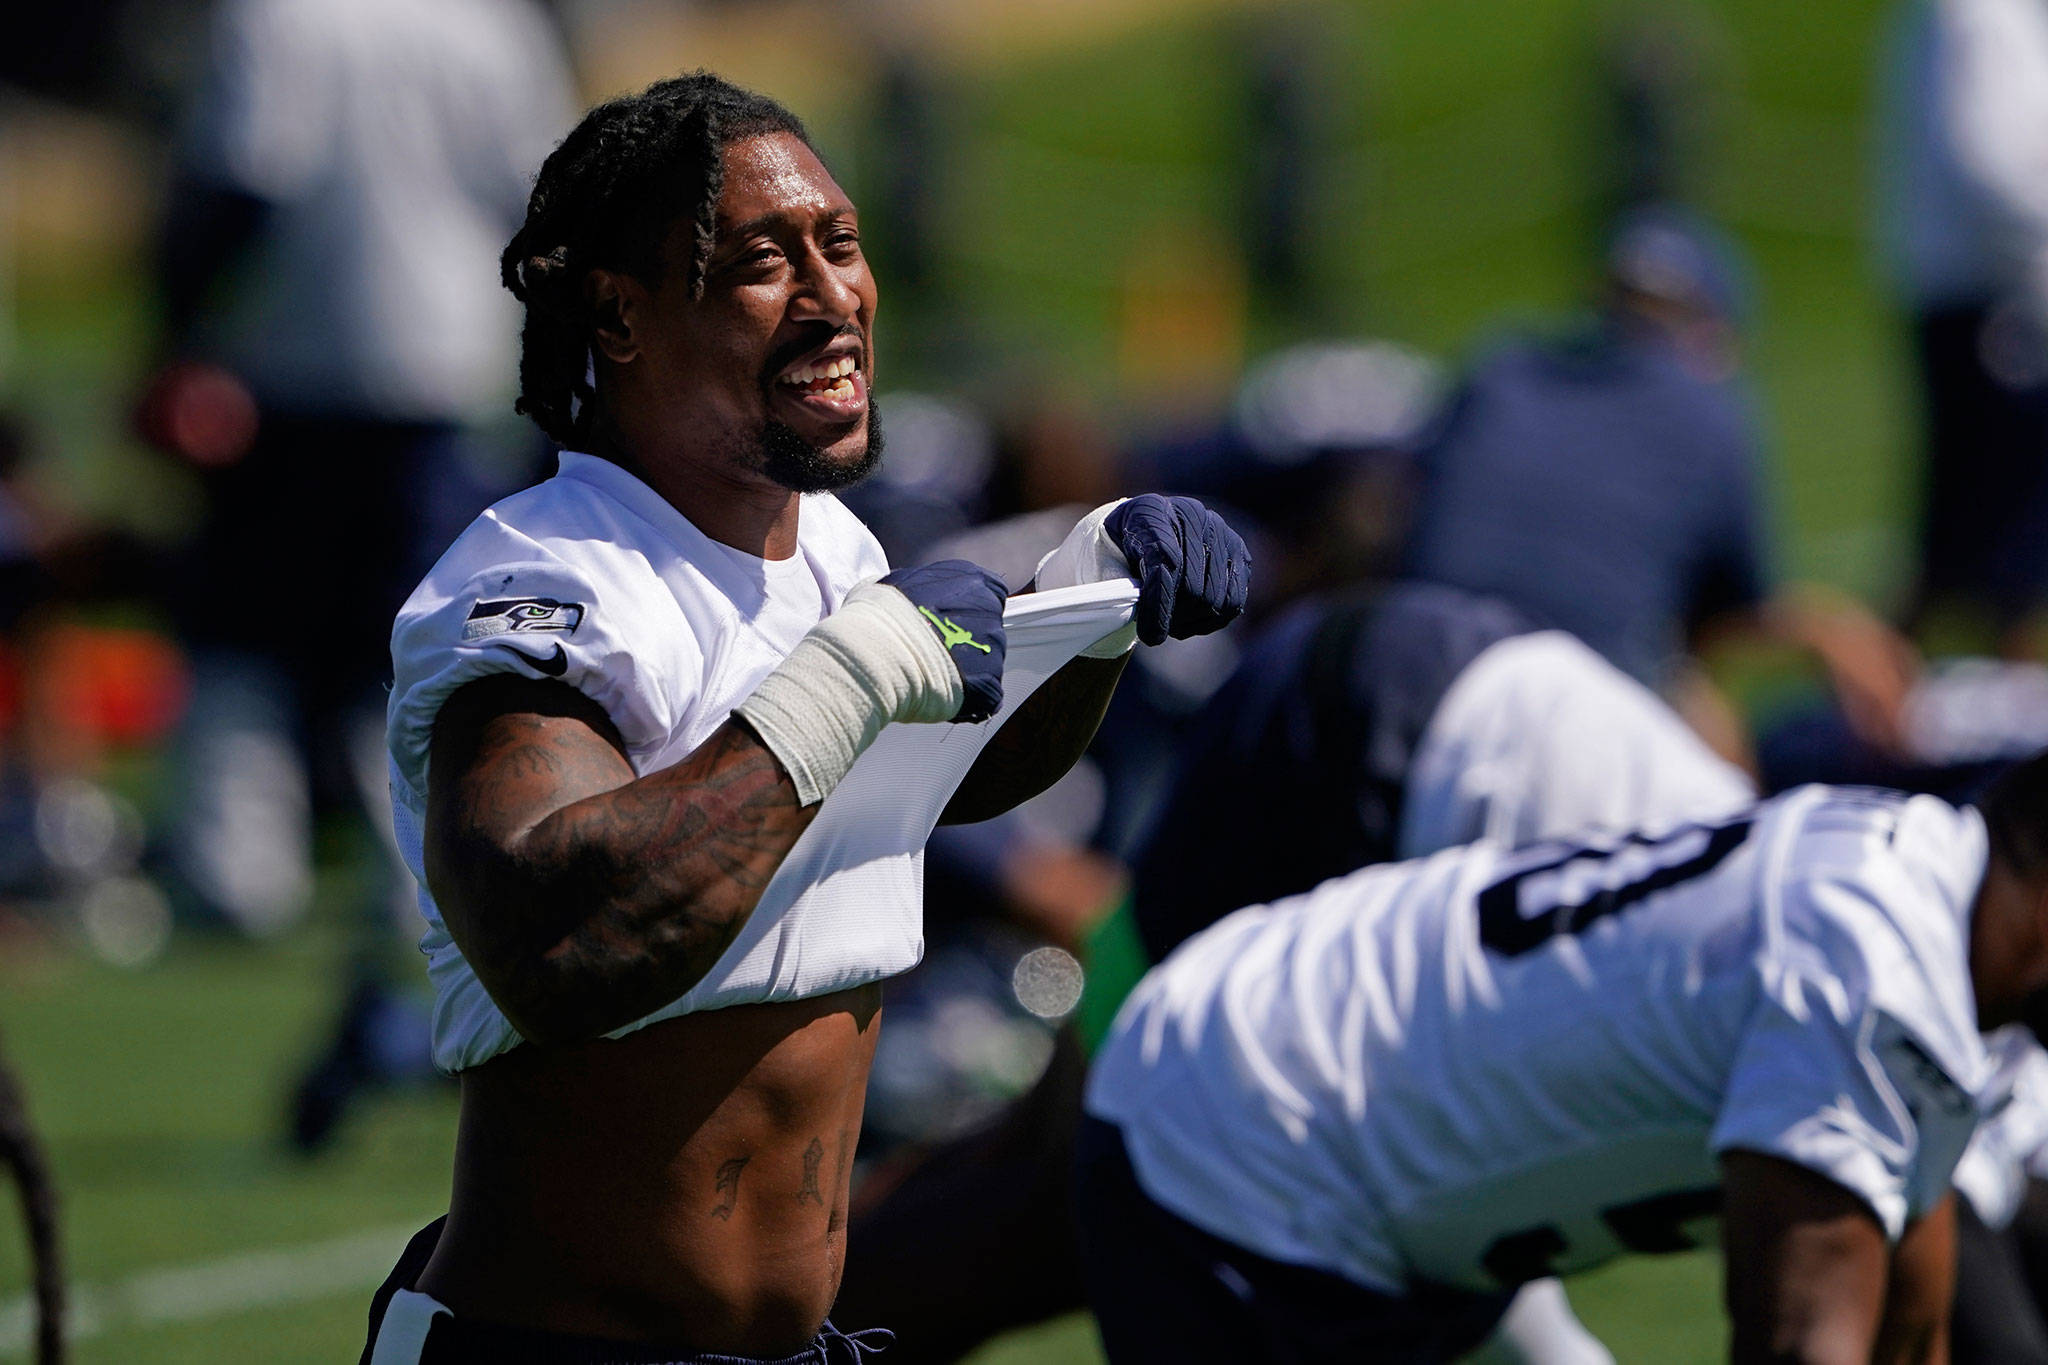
(828, 289)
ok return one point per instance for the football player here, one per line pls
(1353, 1122)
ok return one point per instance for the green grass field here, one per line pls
(1460, 193)
(160, 1095)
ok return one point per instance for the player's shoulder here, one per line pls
(1872, 895)
(1915, 855)
(569, 554)
(550, 531)
(562, 582)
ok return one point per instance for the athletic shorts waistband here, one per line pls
(411, 1328)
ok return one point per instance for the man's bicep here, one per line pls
(508, 752)
(1806, 1262)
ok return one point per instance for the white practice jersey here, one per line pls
(1494, 1064)
(2011, 1146)
(593, 580)
(1540, 737)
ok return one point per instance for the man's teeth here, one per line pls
(836, 368)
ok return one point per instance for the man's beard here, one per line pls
(801, 467)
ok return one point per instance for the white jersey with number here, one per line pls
(1490, 1065)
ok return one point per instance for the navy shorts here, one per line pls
(448, 1340)
(1165, 1290)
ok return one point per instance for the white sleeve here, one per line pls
(1850, 1093)
(546, 620)
(1994, 1171)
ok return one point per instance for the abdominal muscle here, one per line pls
(685, 1184)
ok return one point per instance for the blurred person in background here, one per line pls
(1318, 449)
(1011, 907)
(1965, 167)
(334, 331)
(79, 684)
(1608, 483)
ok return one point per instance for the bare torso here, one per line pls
(686, 1183)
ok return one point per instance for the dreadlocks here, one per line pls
(607, 198)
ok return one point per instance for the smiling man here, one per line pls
(620, 699)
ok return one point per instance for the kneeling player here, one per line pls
(1349, 1124)
(1386, 722)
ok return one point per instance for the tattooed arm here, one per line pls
(1039, 742)
(583, 897)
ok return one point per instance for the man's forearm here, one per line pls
(1806, 1265)
(1921, 1291)
(1040, 741)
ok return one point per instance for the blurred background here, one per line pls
(255, 370)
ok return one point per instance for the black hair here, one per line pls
(608, 198)
(2015, 810)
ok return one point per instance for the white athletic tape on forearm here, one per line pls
(1088, 555)
(873, 661)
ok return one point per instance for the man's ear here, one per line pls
(616, 302)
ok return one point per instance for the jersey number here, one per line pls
(1577, 888)
(1566, 894)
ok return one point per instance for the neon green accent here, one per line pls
(1114, 956)
(950, 634)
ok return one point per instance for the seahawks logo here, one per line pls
(522, 615)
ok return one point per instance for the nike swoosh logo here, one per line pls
(555, 665)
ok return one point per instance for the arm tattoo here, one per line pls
(813, 1154)
(728, 1187)
(583, 896)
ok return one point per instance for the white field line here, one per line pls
(357, 1262)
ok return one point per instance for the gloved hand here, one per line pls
(1193, 571)
(920, 646)
(963, 602)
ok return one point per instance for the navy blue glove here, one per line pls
(1193, 571)
(964, 603)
